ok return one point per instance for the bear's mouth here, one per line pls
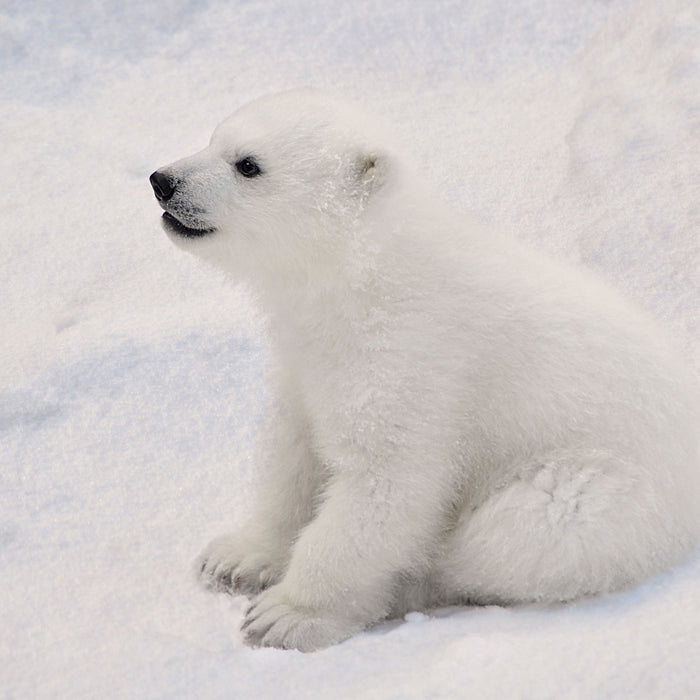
(173, 225)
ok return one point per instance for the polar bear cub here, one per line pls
(458, 419)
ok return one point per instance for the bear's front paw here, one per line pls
(273, 621)
(232, 565)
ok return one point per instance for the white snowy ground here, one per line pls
(130, 376)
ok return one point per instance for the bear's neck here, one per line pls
(311, 313)
(304, 304)
(378, 274)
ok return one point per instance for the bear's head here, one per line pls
(282, 188)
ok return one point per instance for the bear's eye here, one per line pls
(247, 167)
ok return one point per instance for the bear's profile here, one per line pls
(458, 419)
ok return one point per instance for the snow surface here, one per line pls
(131, 375)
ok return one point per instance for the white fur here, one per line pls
(459, 419)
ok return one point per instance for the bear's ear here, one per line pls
(371, 170)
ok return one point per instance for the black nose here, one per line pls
(162, 185)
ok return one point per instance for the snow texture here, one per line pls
(131, 376)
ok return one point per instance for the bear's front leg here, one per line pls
(345, 566)
(256, 556)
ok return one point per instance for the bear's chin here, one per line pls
(176, 228)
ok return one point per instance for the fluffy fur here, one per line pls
(458, 418)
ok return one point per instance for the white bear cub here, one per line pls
(458, 419)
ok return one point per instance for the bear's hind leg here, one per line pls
(572, 524)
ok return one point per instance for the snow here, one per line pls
(131, 376)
